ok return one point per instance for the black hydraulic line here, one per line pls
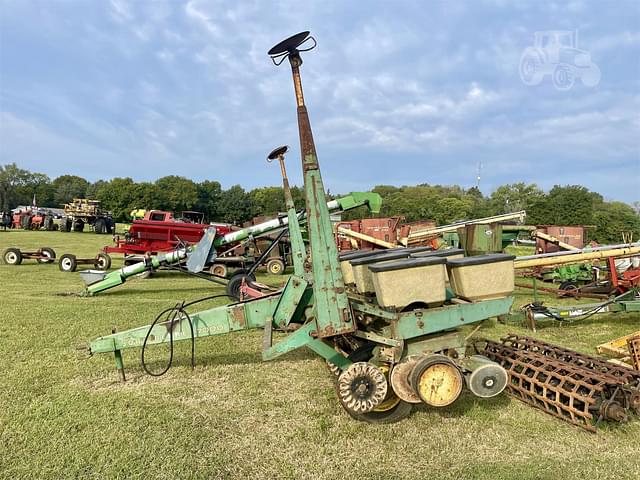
(174, 313)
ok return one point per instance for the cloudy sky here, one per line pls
(398, 92)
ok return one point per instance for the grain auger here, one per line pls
(387, 324)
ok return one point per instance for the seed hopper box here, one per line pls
(345, 259)
(482, 277)
(410, 281)
(448, 254)
(360, 266)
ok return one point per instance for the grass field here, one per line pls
(63, 416)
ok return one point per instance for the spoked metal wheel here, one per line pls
(391, 408)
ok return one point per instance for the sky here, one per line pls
(399, 93)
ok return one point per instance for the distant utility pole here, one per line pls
(478, 176)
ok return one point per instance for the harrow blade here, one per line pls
(572, 392)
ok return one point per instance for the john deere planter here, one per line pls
(386, 358)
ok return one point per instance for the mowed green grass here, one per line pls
(64, 416)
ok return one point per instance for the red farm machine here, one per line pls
(159, 231)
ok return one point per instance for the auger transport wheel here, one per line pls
(233, 286)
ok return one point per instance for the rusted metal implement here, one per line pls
(620, 350)
(633, 344)
(578, 388)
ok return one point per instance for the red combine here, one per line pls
(158, 231)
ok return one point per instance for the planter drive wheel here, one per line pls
(47, 252)
(67, 263)
(12, 256)
(275, 266)
(103, 261)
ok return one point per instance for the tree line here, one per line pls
(562, 205)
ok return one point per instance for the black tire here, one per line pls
(219, 270)
(49, 253)
(275, 266)
(66, 224)
(25, 222)
(103, 261)
(48, 223)
(109, 223)
(99, 226)
(78, 226)
(234, 283)
(399, 412)
(12, 256)
(67, 263)
(568, 285)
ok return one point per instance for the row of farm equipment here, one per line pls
(390, 322)
(67, 262)
(77, 215)
(393, 309)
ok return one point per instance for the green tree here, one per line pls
(515, 197)
(209, 195)
(450, 209)
(571, 205)
(267, 201)
(68, 187)
(235, 205)
(37, 185)
(176, 193)
(119, 196)
(613, 218)
(11, 178)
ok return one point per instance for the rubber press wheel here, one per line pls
(12, 256)
(392, 409)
